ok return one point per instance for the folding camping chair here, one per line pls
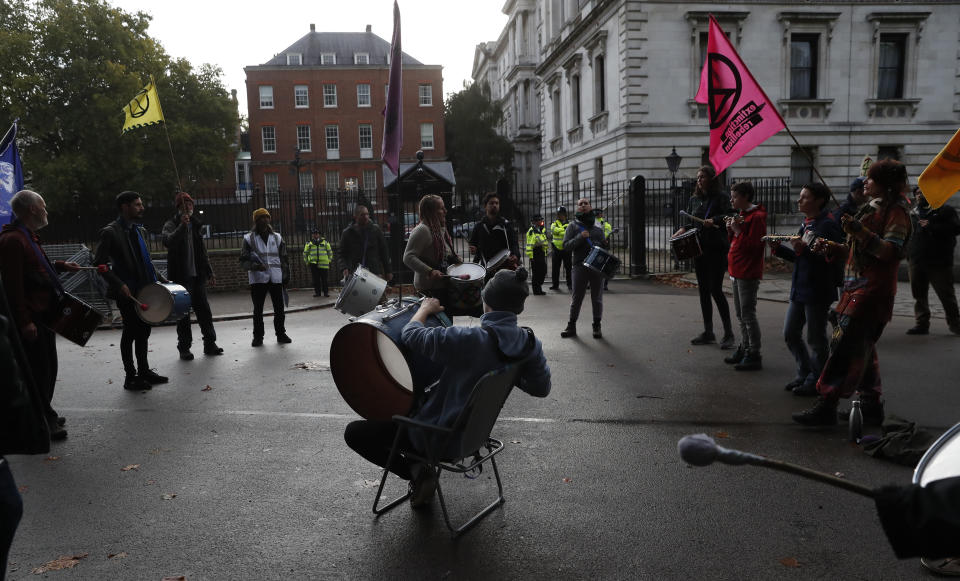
(473, 427)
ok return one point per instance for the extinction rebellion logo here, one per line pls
(724, 99)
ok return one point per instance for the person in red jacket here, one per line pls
(745, 263)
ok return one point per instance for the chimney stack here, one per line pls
(313, 27)
(369, 28)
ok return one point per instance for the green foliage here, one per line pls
(67, 70)
(479, 155)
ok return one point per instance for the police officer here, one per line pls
(537, 253)
(318, 254)
(607, 232)
(560, 256)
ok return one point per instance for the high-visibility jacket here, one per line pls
(536, 238)
(320, 254)
(607, 228)
(557, 231)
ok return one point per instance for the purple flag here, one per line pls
(393, 113)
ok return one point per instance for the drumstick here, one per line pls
(696, 219)
(99, 268)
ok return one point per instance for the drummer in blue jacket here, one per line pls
(468, 353)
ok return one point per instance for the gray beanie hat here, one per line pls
(507, 290)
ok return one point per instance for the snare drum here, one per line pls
(74, 319)
(687, 245)
(361, 293)
(374, 372)
(166, 303)
(498, 262)
(464, 295)
(602, 261)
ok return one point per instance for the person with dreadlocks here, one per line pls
(430, 250)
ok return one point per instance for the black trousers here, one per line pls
(42, 357)
(134, 337)
(710, 269)
(372, 439)
(561, 257)
(201, 308)
(258, 292)
(11, 510)
(538, 264)
(319, 276)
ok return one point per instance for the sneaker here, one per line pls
(212, 349)
(793, 384)
(871, 409)
(282, 338)
(152, 377)
(257, 342)
(136, 383)
(555, 287)
(750, 362)
(704, 338)
(728, 341)
(61, 421)
(422, 488)
(186, 355)
(597, 334)
(918, 330)
(57, 433)
(823, 413)
(737, 356)
(570, 331)
(805, 390)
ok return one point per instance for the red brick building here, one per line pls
(317, 106)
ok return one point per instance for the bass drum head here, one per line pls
(942, 459)
(474, 271)
(159, 303)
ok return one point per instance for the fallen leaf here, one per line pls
(789, 562)
(168, 496)
(23, 488)
(839, 474)
(109, 381)
(119, 555)
(722, 435)
(64, 562)
(610, 365)
(180, 578)
(208, 388)
(130, 467)
(568, 480)
(149, 482)
(52, 458)
(514, 441)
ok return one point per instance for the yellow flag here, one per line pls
(144, 109)
(941, 179)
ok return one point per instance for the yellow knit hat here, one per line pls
(260, 212)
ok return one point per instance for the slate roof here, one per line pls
(344, 44)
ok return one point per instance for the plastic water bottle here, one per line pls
(855, 422)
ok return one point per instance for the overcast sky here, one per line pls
(241, 33)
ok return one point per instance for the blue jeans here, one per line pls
(809, 362)
(745, 304)
(11, 509)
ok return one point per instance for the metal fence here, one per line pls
(644, 214)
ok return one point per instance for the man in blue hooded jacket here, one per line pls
(467, 353)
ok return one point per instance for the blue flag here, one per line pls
(11, 173)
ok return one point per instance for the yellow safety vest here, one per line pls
(319, 254)
(536, 240)
(557, 230)
(607, 228)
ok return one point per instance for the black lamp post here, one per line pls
(295, 166)
(673, 164)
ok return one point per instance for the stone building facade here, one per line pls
(615, 81)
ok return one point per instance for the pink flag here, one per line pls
(741, 116)
(393, 113)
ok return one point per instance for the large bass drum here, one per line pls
(374, 372)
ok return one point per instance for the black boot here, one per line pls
(570, 331)
(823, 413)
(737, 356)
(597, 334)
(704, 338)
